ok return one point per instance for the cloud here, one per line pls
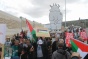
(34, 8)
(84, 1)
(39, 9)
(42, 7)
(72, 1)
(36, 12)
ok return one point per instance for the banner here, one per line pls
(68, 37)
(2, 39)
(42, 33)
(83, 35)
(2, 33)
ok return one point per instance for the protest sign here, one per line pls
(83, 35)
(68, 37)
(2, 33)
(2, 39)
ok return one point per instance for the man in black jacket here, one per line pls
(54, 45)
(61, 53)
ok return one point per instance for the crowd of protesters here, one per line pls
(43, 48)
(24, 48)
(77, 33)
(59, 48)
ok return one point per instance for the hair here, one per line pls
(60, 44)
(61, 40)
(75, 57)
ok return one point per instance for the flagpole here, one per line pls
(65, 13)
(33, 24)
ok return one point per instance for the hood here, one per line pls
(61, 51)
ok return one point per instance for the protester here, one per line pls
(75, 55)
(22, 33)
(80, 39)
(49, 47)
(23, 54)
(8, 43)
(28, 43)
(40, 49)
(54, 45)
(7, 47)
(60, 53)
(45, 47)
(25, 35)
(14, 36)
(18, 36)
(62, 41)
(15, 50)
(76, 34)
(31, 53)
(24, 48)
(12, 41)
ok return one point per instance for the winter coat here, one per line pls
(54, 46)
(49, 50)
(31, 55)
(61, 54)
(23, 56)
(20, 48)
(14, 51)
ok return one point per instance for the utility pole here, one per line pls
(65, 13)
(85, 23)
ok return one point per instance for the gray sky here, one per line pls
(38, 10)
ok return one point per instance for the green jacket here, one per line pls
(14, 51)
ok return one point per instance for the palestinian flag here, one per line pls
(33, 33)
(82, 48)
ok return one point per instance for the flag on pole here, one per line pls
(80, 47)
(33, 33)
